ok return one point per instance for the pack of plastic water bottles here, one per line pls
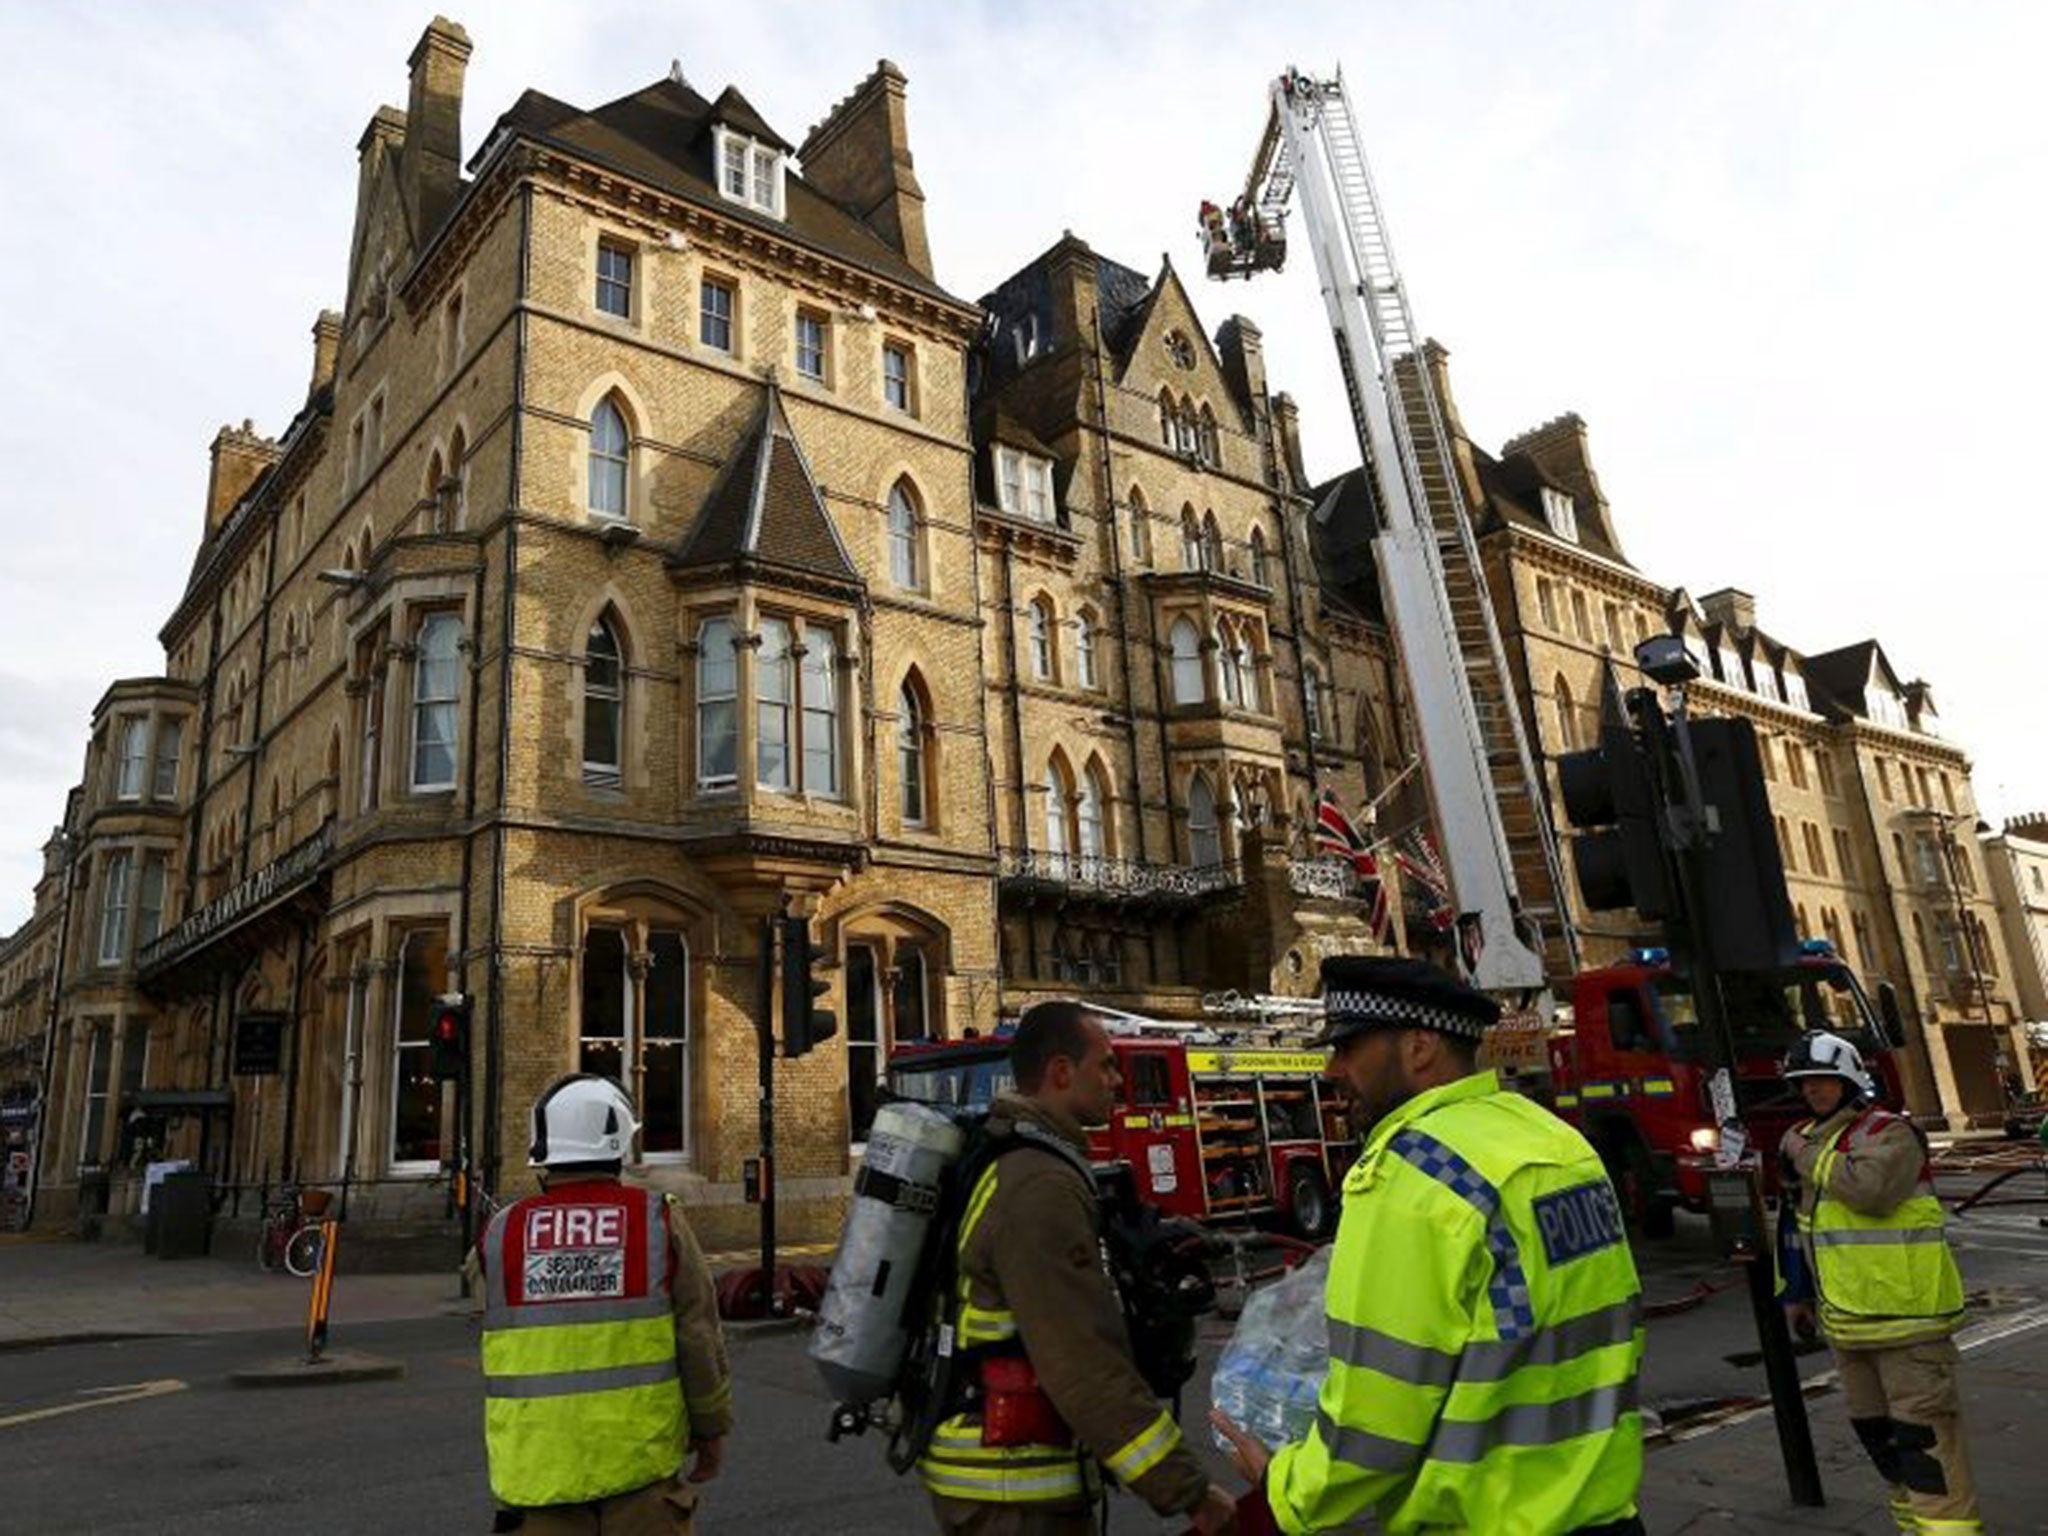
(1272, 1369)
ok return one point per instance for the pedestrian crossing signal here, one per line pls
(448, 1035)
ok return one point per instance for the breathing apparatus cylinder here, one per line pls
(862, 1333)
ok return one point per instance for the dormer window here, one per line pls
(1560, 513)
(1024, 485)
(749, 171)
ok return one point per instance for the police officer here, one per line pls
(1889, 1293)
(1059, 1391)
(602, 1356)
(1483, 1307)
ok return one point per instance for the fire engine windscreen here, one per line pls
(1770, 1010)
(862, 1333)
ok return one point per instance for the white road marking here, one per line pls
(99, 1397)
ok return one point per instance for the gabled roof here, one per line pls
(1514, 496)
(662, 135)
(765, 509)
(1843, 676)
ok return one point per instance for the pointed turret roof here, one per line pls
(766, 509)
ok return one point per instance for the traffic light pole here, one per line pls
(1691, 825)
(771, 1300)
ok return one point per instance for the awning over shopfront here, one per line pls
(225, 933)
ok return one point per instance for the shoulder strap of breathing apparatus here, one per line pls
(936, 1373)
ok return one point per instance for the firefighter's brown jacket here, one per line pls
(1035, 1253)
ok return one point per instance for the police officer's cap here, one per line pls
(1362, 992)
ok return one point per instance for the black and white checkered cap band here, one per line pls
(1349, 1007)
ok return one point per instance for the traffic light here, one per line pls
(804, 1023)
(1622, 860)
(1741, 870)
(448, 1035)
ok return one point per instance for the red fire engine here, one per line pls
(1631, 1067)
(1220, 1126)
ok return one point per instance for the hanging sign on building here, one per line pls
(259, 1044)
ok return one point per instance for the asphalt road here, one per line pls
(127, 1451)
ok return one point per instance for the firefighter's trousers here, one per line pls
(660, 1509)
(1905, 1407)
(974, 1517)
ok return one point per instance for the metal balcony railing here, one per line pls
(1117, 878)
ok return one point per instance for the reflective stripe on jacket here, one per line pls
(582, 1395)
(1031, 1277)
(1884, 1273)
(1485, 1331)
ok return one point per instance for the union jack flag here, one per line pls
(1420, 862)
(1336, 835)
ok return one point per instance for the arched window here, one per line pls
(1190, 540)
(1186, 646)
(1084, 648)
(437, 474)
(455, 500)
(1186, 434)
(717, 702)
(1169, 421)
(1312, 694)
(1212, 544)
(1088, 815)
(910, 753)
(905, 569)
(1226, 656)
(1205, 843)
(1247, 669)
(1259, 574)
(1059, 795)
(1040, 620)
(1141, 529)
(1210, 450)
(1567, 715)
(610, 450)
(604, 697)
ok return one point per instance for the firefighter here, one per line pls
(602, 1356)
(1483, 1378)
(1889, 1293)
(1059, 1391)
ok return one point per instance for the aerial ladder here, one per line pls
(1488, 802)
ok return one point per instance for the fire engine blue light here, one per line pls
(1650, 956)
(1816, 947)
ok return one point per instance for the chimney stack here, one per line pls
(1558, 449)
(326, 351)
(1731, 608)
(1243, 352)
(1287, 430)
(859, 156)
(430, 164)
(240, 454)
(1072, 273)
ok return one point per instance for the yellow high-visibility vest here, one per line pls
(1886, 1279)
(582, 1396)
(1485, 1331)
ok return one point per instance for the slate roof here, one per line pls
(662, 135)
(1341, 531)
(1841, 678)
(1021, 317)
(765, 509)
(1514, 495)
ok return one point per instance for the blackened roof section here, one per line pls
(1514, 496)
(1122, 300)
(1341, 530)
(766, 510)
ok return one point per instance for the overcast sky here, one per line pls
(1784, 258)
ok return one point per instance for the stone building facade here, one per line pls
(660, 546)
(1873, 805)
(2017, 860)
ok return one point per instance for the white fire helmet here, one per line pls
(583, 1118)
(1820, 1054)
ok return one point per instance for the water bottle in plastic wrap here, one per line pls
(1272, 1369)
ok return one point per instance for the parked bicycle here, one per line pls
(291, 1236)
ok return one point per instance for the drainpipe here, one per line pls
(1119, 581)
(494, 1029)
